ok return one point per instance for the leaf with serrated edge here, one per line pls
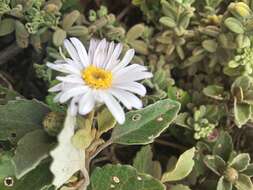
(39, 143)
(122, 177)
(143, 126)
(183, 167)
(67, 159)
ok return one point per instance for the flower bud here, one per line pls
(231, 175)
(51, 8)
(53, 123)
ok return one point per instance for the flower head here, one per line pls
(99, 76)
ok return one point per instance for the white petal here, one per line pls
(100, 53)
(109, 54)
(133, 76)
(114, 107)
(71, 79)
(81, 51)
(125, 61)
(127, 98)
(86, 103)
(115, 55)
(130, 69)
(134, 87)
(74, 64)
(57, 97)
(117, 93)
(71, 50)
(64, 68)
(93, 45)
(73, 92)
(56, 88)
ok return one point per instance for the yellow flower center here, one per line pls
(97, 78)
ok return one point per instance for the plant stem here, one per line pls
(166, 143)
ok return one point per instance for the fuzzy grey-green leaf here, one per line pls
(183, 167)
(122, 177)
(21, 116)
(144, 125)
(24, 160)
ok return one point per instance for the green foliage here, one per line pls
(20, 117)
(122, 177)
(24, 160)
(200, 53)
(182, 168)
(144, 125)
(144, 163)
(229, 165)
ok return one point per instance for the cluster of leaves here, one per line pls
(200, 53)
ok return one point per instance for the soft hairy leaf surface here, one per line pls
(224, 184)
(67, 159)
(31, 150)
(37, 179)
(122, 177)
(183, 167)
(223, 146)
(20, 117)
(143, 126)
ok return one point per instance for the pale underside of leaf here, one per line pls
(67, 159)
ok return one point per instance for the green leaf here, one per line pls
(249, 170)
(234, 25)
(215, 163)
(143, 126)
(167, 21)
(240, 162)
(7, 95)
(210, 45)
(223, 184)
(6, 166)
(181, 120)
(31, 150)
(223, 146)
(244, 183)
(135, 32)
(58, 37)
(105, 121)
(242, 113)
(20, 117)
(122, 177)
(144, 164)
(82, 138)
(7, 26)
(34, 180)
(180, 187)
(214, 91)
(139, 46)
(183, 167)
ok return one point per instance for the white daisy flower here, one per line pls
(99, 76)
